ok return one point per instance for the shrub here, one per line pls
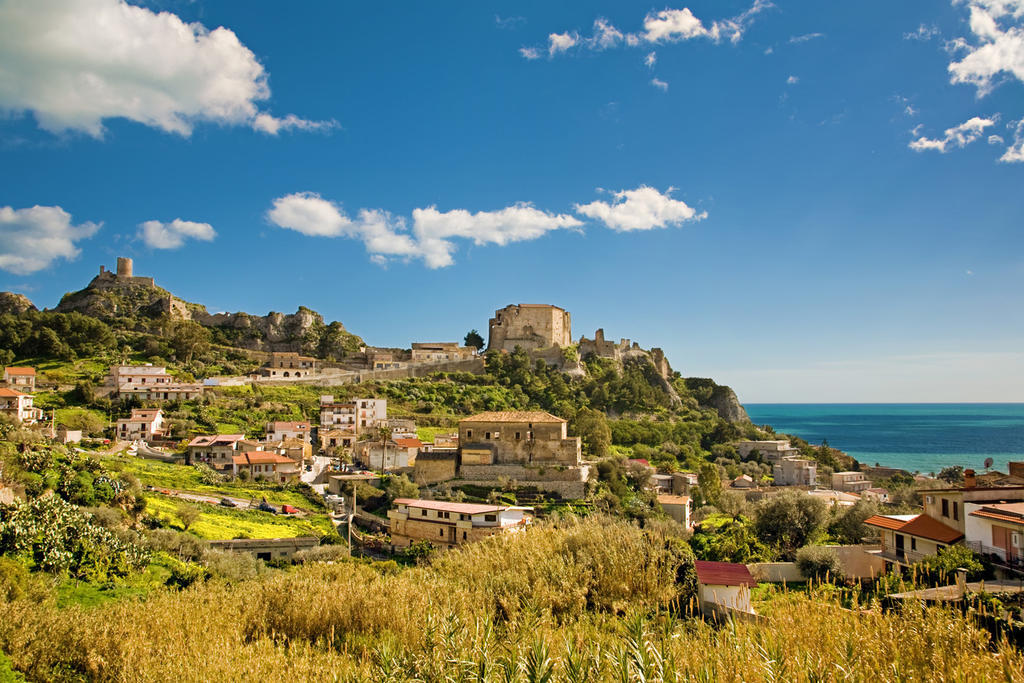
(819, 563)
(233, 567)
(323, 553)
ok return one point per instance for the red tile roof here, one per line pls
(409, 443)
(10, 393)
(723, 574)
(20, 371)
(261, 458)
(1004, 512)
(274, 426)
(921, 526)
(213, 439)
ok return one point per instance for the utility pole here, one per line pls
(351, 517)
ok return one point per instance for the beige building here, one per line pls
(394, 454)
(143, 424)
(427, 352)
(281, 430)
(287, 364)
(451, 524)
(358, 415)
(531, 326)
(22, 379)
(121, 375)
(264, 464)
(162, 392)
(517, 438)
(18, 406)
(676, 507)
(771, 451)
(851, 482)
(795, 472)
(217, 450)
(334, 442)
(907, 539)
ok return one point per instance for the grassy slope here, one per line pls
(217, 523)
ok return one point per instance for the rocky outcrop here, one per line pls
(717, 396)
(15, 303)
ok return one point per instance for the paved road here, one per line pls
(320, 463)
(240, 503)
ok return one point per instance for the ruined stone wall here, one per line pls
(431, 468)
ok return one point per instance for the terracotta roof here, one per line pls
(514, 416)
(921, 526)
(666, 499)
(723, 574)
(893, 522)
(20, 371)
(409, 443)
(144, 414)
(463, 508)
(1004, 512)
(10, 393)
(261, 458)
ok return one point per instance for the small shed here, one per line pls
(724, 587)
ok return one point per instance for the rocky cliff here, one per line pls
(15, 303)
(717, 396)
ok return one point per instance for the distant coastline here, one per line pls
(922, 437)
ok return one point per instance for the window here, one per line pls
(913, 543)
(518, 436)
(945, 508)
(446, 515)
(463, 535)
(441, 532)
(956, 510)
(490, 518)
(469, 433)
(423, 513)
(487, 435)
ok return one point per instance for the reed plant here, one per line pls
(581, 600)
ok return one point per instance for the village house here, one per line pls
(851, 482)
(795, 472)
(379, 359)
(996, 530)
(280, 430)
(836, 498)
(121, 375)
(335, 442)
(18, 406)
(294, 449)
(676, 507)
(879, 495)
(947, 504)
(723, 587)
(162, 392)
(358, 414)
(65, 436)
(744, 481)
(424, 352)
(22, 379)
(143, 424)
(907, 539)
(288, 364)
(520, 438)
(451, 524)
(395, 454)
(264, 464)
(770, 451)
(218, 450)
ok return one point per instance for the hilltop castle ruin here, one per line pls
(530, 326)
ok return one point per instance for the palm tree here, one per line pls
(384, 433)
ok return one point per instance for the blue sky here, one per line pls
(808, 201)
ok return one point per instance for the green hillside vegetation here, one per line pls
(574, 601)
(220, 523)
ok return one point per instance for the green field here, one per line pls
(164, 475)
(217, 523)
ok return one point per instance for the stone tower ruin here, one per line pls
(124, 267)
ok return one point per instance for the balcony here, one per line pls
(904, 557)
(998, 556)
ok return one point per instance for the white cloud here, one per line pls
(605, 35)
(386, 236)
(76, 63)
(31, 239)
(560, 42)
(909, 110)
(273, 125)
(922, 33)
(658, 83)
(665, 26)
(651, 59)
(1014, 154)
(641, 209)
(435, 229)
(958, 136)
(792, 80)
(795, 40)
(173, 235)
(999, 44)
(996, 140)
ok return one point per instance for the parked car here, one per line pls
(228, 503)
(289, 510)
(266, 507)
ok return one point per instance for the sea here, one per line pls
(917, 437)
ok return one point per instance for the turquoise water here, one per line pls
(922, 437)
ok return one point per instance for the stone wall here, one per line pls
(531, 326)
(432, 468)
(521, 442)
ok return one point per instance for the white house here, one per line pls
(143, 424)
(279, 431)
(18, 406)
(996, 529)
(723, 587)
(676, 507)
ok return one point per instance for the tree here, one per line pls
(820, 563)
(187, 338)
(954, 474)
(592, 427)
(188, 514)
(790, 520)
(849, 528)
(710, 483)
(474, 339)
(401, 487)
(384, 434)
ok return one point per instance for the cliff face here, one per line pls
(717, 396)
(15, 303)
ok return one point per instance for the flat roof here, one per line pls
(463, 508)
(514, 416)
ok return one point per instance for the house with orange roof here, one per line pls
(18, 406)
(395, 453)
(907, 539)
(20, 378)
(996, 530)
(724, 587)
(447, 524)
(142, 424)
(217, 450)
(266, 465)
(280, 430)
